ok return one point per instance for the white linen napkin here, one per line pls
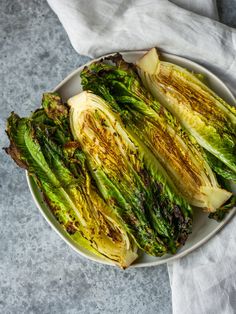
(202, 7)
(203, 282)
(101, 26)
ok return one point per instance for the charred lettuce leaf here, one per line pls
(221, 212)
(203, 113)
(159, 220)
(59, 168)
(176, 153)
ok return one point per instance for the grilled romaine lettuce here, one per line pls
(45, 148)
(118, 171)
(182, 159)
(158, 219)
(204, 114)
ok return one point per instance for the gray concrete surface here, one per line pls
(39, 273)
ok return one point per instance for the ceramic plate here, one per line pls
(203, 227)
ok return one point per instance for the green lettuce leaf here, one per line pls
(177, 154)
(204, 114)
(60, 172)
(158, 219)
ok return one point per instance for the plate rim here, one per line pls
(31, 183)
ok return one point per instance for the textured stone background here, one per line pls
(39, 273)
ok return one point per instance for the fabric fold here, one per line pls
(205, 280)
(139, 24)
(206, 8)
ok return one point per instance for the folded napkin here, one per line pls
(203, 282)
(101, 26)
(202, 7)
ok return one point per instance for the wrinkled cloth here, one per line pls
(204, 281)
(101, 26)
(202, 7)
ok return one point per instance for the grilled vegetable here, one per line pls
(204, 114)
(59, 168)
(117, 169)
(221, 212)
(176, 153)
(158, 220)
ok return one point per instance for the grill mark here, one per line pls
(198, 102)
(172, 152)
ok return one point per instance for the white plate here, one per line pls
(203, 227)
